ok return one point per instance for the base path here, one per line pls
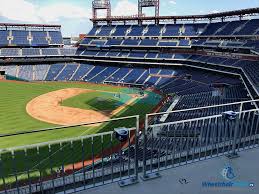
(47, 108)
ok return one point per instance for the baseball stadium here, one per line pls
(134, 97)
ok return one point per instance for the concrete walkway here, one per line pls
(189, 179)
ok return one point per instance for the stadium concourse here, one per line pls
(128, 100)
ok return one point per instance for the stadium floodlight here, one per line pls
(101, 4)
(148, 3)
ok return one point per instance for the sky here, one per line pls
(74, 15)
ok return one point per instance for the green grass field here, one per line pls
(13, 118)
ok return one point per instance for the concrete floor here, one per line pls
(188, 179)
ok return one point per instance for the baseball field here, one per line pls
(27, 106)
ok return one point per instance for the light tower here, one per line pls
(101, 4)
(148, 3)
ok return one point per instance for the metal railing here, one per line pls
(171, 144)
(72, 164)
(75, 164)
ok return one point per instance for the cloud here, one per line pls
(172, 2)
(214, 11)
(55, 12)
(24, 11)
(125, 8)
(19, 10)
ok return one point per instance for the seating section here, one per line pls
(50, 51)
(39, 38)
(32, 38)
(3, 38)
(29, 52)
(20, 38)
(10, 52)
(55, 37)
(178, 81)
(244, 27)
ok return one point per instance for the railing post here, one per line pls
(136, 147)
(134, 179)
(233, 153)
(2, 173)
(145, 175)
(145, 147)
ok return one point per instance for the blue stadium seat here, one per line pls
(30, 51)
(154, 30)
(39, 38)
(20, 38)
(50, 51)
(136, 31)
(56, 37)
(172, 30)
(130, 42)
(3, 37)
(121, 30)
(67, 72)
(54, 71)
(26, 72)
(148, 42)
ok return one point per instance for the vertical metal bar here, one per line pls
(73, 164)
(188, 140)
(15, 172)
(241, 107)
(136, 147)
(51, 168)
(93, 168)
(83, 161)
(213, 138)
(236, 131)
(28, 169)
(102, 159)
(41, 185)
(2, 173)
(256, 129)
(225, 126)
(63, 167)
(159, 153)
(174, 145)
(247, 126)
(220, 132)
(167, 142)
(201, 139)
(181, 143)
(129, 150)
(152, 150)
(242, 119)
(145, 147)
(251, 130)
(195, 140)
(120, 155)
(112, 155)
(208, 132)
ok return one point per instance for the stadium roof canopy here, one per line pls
(222, 15)
(14, 25)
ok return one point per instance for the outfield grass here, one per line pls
(13, 118)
